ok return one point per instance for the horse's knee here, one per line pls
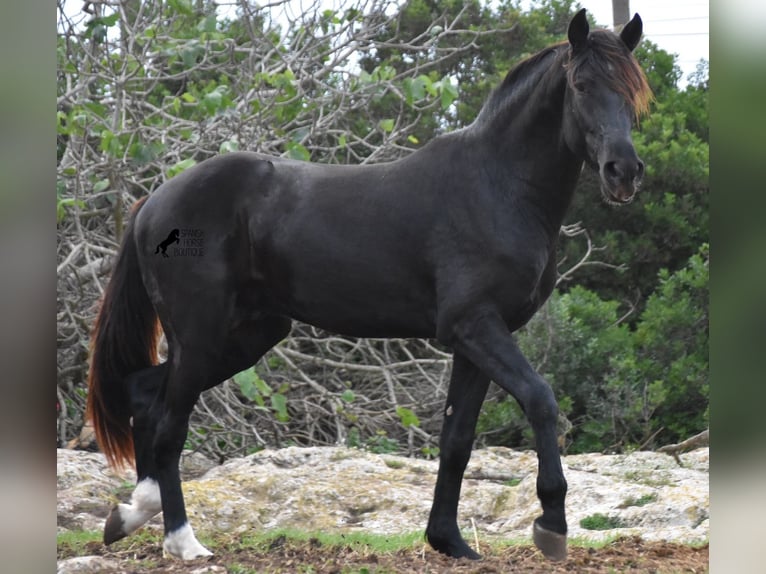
(541, 407)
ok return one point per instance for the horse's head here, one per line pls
(606, 90)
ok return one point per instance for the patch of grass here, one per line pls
(274, 538)
(512, 482)
(392, 463)
(498, 543)
(640, 501)
(582, 542)
(649, 478)
(83, 542)
(600, 521)
(75, 542)
(352, 553)
(124, 490)
(699, 543)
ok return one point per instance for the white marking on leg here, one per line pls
(144, 504)
(182, 543)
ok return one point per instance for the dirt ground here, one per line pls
(288, 556)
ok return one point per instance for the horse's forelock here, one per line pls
(608, 61)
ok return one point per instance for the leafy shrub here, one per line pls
(618, 385)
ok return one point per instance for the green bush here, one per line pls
(618, 385)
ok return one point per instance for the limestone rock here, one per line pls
(344, 489)
(86, 565)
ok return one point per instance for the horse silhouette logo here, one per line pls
(173, 237)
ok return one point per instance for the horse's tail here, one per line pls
(124, 340)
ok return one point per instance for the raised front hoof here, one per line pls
(552, 544)
(453, 546)
(114, 529)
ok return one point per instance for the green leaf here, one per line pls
(96, 27)
(348, 396)
(415, 88)
(181, 166)
(207, 24)
(262, 385)
(110, 20)
(63, 204)
(448, 92)
(244, 380)
(111, 144)
(297, 151)
(61, 123)
(229, 146)
(190, 53)
(182, 6)
(279, 404)
(407, 417)
(252, 386)
(100, 186)
(212, 101)
(386, 125)
(342, 140)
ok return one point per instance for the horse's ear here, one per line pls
(578, 31)
(631, 32)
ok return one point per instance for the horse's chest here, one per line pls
(524, 298)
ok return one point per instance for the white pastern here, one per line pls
(183, 544)
(144, 504)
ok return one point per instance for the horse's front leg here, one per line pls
(485, 340)
(467, 389)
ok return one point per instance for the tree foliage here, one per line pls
(146, 89)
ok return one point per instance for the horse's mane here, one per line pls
(520, 78)
(607, 60)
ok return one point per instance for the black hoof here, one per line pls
(454, 547)
(114, 529)
(552, 544)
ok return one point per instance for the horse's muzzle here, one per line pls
(620, 179)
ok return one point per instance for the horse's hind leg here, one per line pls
(144, 388)
(467, 389)
(199, 368)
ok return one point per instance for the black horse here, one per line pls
(456, 241)
(173, 237)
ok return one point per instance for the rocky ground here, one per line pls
(656, 510)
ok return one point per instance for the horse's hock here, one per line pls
(343, 490)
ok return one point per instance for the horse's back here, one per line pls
(350, 248)
(342, 247)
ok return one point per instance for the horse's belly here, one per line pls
(353, 288)
(350, 312)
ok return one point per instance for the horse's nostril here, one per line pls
(612, 170)
(640, 171)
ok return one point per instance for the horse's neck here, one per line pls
(525, 138)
